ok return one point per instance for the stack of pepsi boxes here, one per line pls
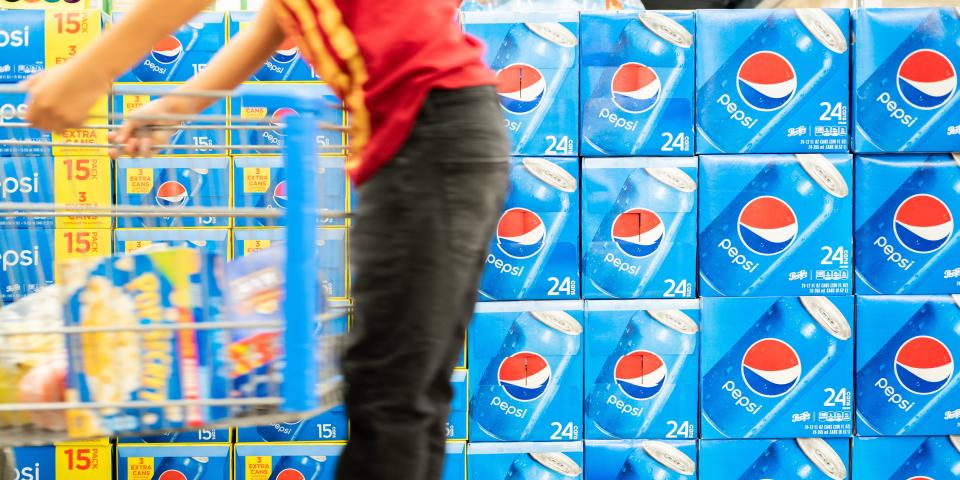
(693, 205)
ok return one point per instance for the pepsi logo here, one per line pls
(172, 194)
(524, 376)
(766, 81)
(172, 475)
(635, 87)
(520, 87)
(638, 232)
(923, 223)
(922, 477)
(277, 119)
(521, 233)
(640, 374)
(287, 52)
(923, 365)
(168, 50)
(926, 79)
(280, 195)
(290, 474)
(767, 225)
(771, 367)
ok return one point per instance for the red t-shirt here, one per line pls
(382, 57)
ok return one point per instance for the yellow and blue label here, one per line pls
(69, 181)
(13, 110)
(195, 462)
(76, 461)
(171, 184)
(35, 40)
(29, 257)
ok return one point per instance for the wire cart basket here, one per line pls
(179, 364)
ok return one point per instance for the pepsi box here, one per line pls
(641, 363)
(777, 459)
(637, 83)
(906, 376)
(31, 40)
(455, 463)
(534, 253)
(201, 435)
(640, 459)
(905, 79)
(262, 182)
(311, 461)
(639, 227)
(196, 140)
(286, 64)
(776, 225)
(182, 54)
(907, 457)
(776, 367)
(331, 254)
(34, 142)
(83, 181)
(213, 240)
(45, 462)
(457, 423)
(173, 183)
(536, 60)
(194, 462)
(525, 460)
(773, 81)
(268, 105)
(907, 237)
(28, 257)
(526, 371)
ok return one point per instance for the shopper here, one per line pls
(429, 158)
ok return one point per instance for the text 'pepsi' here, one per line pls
(261, 182)
(173, 183)
(905, 80)
(806, 458)
(772, 81)
(274, 102)
(536, 59)
(526, 381)
(34, 40)
(65, 180)
(776, 367)
(286, 64)
(912, 458)
(637, 83)
(640, 459)
(534, 254)
(907, 239)
(775, 225)
(196, 462)
(28, 257)
(70, 142)
(639, 227)
(641, 358)
(906, 373)
(525, 461)
(182, 54)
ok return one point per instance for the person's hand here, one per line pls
(61, 98)
(137, 136)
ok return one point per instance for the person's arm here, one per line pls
(241, 58)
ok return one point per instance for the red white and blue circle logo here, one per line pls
(524, 376)
(520, 87)
(640, 374)
(521, 233)
(635, 87)
(288, 51)
(766, 81)
(280, 195)
(168, 50)
(172, 475)
(767, 225)
(926, 79)
(923, 365)
(771, 367)
(277, 119)
(923, 223)
(172, 194)
(638, 232)
(290, 474)
(922, 477)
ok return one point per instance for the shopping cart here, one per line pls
(304, 382)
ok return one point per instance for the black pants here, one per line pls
(418, 245)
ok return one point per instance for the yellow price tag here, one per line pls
(254, 246)
(84, 462)
(259, 468)
(70, 244)
(79, 182)
(139, 180)
(256, 180)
